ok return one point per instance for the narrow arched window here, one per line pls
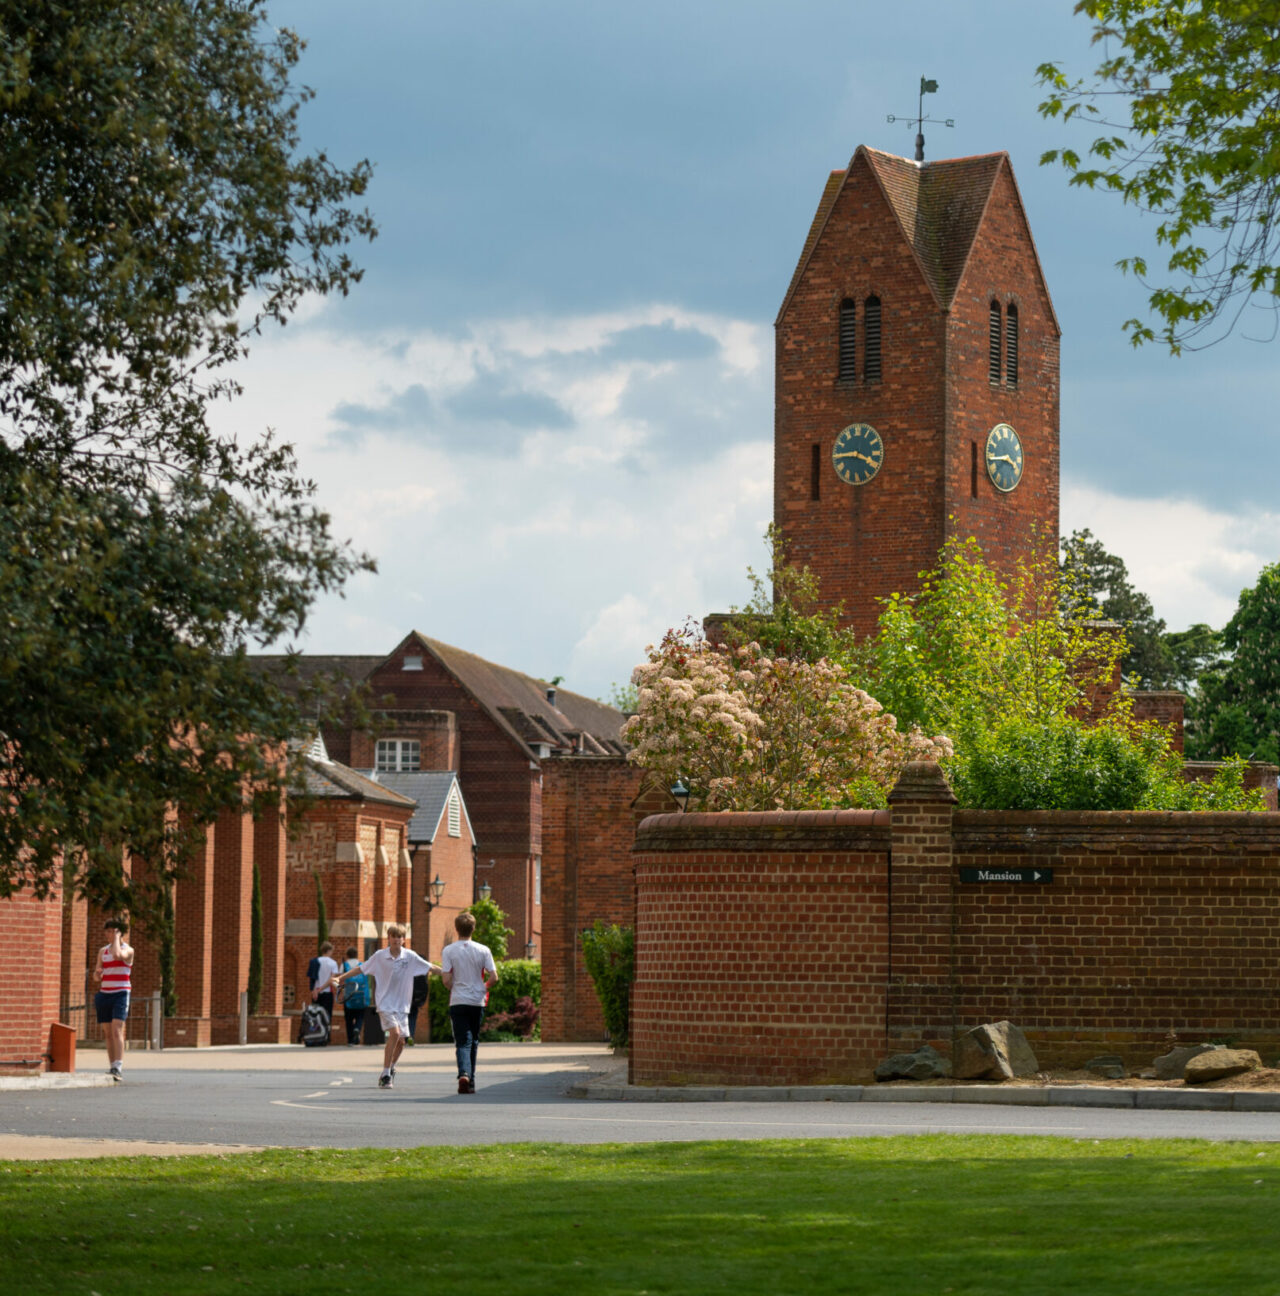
(993, 344)
(1011, 346)
(848, 340)
(871, 340)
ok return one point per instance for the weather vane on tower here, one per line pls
(926, 87)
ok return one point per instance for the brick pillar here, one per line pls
(270, 854)
(193, 949)
(232, 896)
(75, 985)
(921, 908)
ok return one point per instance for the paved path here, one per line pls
(221, 1099)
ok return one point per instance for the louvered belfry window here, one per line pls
(993, 357)
(848, 340)
(871, 340)
(1011, 346)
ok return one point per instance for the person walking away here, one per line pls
(469, 973)
(392, 968)
(113, 973)
(355, 996)
(421, 992)
(320, 973)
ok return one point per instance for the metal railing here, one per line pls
(144, 1029)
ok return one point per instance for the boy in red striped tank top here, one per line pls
(113, 973)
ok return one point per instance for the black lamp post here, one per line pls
(681, 794)
(431, 899)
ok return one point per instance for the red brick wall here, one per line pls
(1153, 923)
(589, 821)
(501, 789)
(361, 895)
(761, 947)
(1165, 709)
(30, 980)
(932, 405)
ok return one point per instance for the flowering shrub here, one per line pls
(745, 731)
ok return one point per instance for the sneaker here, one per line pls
(114, 1073)
(464, 1085)
(384, 1082)
(393, 1072)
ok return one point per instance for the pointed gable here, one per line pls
(938, 206)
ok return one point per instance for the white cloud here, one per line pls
(1191, 560)
(560, 547)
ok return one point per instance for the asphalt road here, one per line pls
(292, 1097)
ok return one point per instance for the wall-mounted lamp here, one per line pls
(434, 891)
(486, 891)
(681, 794)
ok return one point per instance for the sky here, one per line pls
(547, 408)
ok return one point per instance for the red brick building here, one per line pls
(916, 378)
(440, 708)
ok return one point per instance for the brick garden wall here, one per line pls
(1153, 923)
(589, 818)
(30, 980)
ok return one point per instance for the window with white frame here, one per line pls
(455, 815)
(394, 754)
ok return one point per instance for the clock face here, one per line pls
(858, 453)
(1004, 457)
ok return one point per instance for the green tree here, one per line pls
(156, 212)
(1098, 580)
(970, 651)
(786, 614)
(1237, 708)
(322, 916)
(491, 927)
(1188, 98)
(609, 952)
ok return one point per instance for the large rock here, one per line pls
(1172, 1065)
(1221, 1062)
(997, 1051)
(926, 1063)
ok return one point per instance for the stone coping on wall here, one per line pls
(792, 831)
(615, 1089)
(1108, 832)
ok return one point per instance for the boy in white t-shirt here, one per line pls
(469, 972)
(393, 967)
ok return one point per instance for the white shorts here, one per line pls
(395, 1021)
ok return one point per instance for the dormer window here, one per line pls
(395, 755)
(412, 663)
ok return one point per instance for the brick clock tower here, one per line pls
(916, 378)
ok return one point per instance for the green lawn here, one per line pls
(932, 1214)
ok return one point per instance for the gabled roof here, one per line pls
(330, 780)
(519, 705)
(431, 790)
(939, 207)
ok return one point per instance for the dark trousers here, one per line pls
(467, 1020)
(354, 1017)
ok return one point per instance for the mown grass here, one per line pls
(932, 1214)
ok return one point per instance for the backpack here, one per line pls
(313, 1028)
(354, 992)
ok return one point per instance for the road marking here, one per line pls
(343, 1080)
(323, 1093)
(657, 1120)
(329, 1107)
